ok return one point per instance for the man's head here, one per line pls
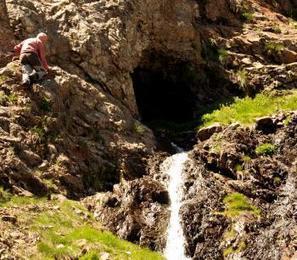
(42, 37)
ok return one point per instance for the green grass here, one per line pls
(288, 120)
(293, 23)
(237, 204)
(68, 231)
(68, 234)
(234, 247)
(246, 110)
(8, 200)
(266, 149)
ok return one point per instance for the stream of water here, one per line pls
(175, 246)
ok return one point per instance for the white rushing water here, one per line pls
(175, 246)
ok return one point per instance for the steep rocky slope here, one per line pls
(226, 170)
(116, 63)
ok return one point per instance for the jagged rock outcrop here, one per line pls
(66, 134)
(105, 41)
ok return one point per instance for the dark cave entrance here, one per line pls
(163, 90)
(172, 95)
(164, 94)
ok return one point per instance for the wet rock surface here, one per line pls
(136, 211)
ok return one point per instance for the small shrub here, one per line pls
(210, 50)
(39, 131)
(4, 196)
(217, 143)
(274, 47)
(3, 98)
(98, 137)
(242, 78)
(238, 167)
(247, 16)
(3, 78)
(139, 128)
(288, 120)
(12, 98)
(246, 158)
(222, 55)
(293, 13)
(276, 29)
(277, 181)
(266, 149)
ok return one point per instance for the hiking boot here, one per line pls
(34, 77)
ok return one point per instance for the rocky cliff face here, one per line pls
(78, 132)
(229, 165)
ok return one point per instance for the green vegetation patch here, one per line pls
(8, 200)
(65, 233)
(237, 204)
(4, 197)
(266, 149)
(222, 55)
(274, 47)
(139, 128)
(211, 52)
(242, 77)
(68, 231)
(246, 110)
(247, 16)
(12, 98)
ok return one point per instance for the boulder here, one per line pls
(206, 132)
(265, 124)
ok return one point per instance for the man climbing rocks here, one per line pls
(32, 58)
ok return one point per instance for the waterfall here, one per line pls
(173, 166)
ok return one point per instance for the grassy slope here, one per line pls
(246, 110)
(67, 230)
